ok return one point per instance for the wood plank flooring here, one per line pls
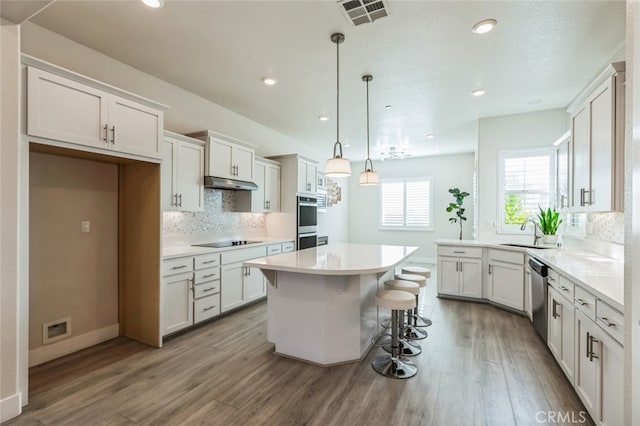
(480, 366)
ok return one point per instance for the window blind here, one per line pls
(406, 204)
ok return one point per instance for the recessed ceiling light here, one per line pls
(387, 107)
(269, 81)
(323, 118)
(478, 92)
(431, 135)
(484, 26)
(154, 3)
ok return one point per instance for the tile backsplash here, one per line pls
(218, 217)
(607, 227)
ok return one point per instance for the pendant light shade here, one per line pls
(337, 166)
(368, 176)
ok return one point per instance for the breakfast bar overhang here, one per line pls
(321, 301)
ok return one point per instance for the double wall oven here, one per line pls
(307, 235)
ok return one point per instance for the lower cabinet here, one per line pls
(177, 302)
(460, 276)
(505, 277)
(240, 285)
(561, 332)
(254, 284)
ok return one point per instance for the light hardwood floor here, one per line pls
(480, 366)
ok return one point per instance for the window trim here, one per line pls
(428, 228)
(525, 152)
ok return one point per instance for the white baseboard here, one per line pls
(72, 344)
(10, 407)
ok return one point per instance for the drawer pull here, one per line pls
(581, 302)
(563, 288)
(549, 279)
(208, 275)
(459, 251)
(208, 308)
(206, 262)
(607, 322)
(179, 267)
(208, 289)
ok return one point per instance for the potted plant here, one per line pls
(457, 207)
(549, 221)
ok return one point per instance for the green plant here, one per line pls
(457, 207)
(514, 213)
(549, 220)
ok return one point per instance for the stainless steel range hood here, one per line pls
(232, 184)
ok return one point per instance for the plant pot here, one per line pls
(550, 239)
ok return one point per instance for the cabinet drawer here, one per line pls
(461, 251)
(566, 288)
(205, 275)
(585, 301)
(507, 256)
(234, 256)
(206, 307)
(288, 247)
(274, 249)
(206, 289)
(207, 260)
(610, 320)
(554, 279)
(177, 266)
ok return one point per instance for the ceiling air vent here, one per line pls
(360, 12)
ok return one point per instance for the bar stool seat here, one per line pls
(421, 280)
(417, 270)
(403, 285)
(394, 365)
(408, 330)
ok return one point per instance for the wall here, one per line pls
(448, 171)
(535, 129)
(12, 368)
(71, 273)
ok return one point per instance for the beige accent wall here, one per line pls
(72, 273)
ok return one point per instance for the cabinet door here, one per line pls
(254, 284)
(612, 381)
(177, 302)
(168, 153)
(190, 177)
(507, 285)
(134, 128)
(602, 149)
(554, 324)
(448, 275)
(470, 277)
(273, 188)
(562, 170)
(64, 110)
(586, 368)
(231, 286)
(243, 160)
(581, 158)
(219, 159)
(303, 185)
(567, 361)
(259, 197)
(312, 177)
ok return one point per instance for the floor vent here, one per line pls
(360, 12)
(56, 330)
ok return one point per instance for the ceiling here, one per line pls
(424, 58)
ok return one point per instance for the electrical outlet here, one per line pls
(86, 226)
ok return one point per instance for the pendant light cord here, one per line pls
(338, 94)
(368, 156)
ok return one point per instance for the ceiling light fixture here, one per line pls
(484, 26)
(269, 81)
(478, 92)
(155, 4)
(368, 176)
(393, 154)
(387, 107)
(323, 118)
(337, 166)
(431, 135)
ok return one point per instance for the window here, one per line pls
(406, 204)
(526, 182)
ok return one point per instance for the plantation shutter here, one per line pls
(406, 204)
(418, 203)
(392, 203)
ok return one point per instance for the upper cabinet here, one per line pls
(563, 172)
(72, 110)
(266, 198)
(225, 158)
(182, 173)
(597, 144)
(307, 176)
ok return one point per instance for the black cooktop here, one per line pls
(221, 244)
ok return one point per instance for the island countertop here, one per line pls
(337, 259)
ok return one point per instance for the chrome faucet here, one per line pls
(536, 226)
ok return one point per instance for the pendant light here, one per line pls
(337, 166)
(368, 177)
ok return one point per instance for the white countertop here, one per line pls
(170, 252)
(337, 259)
(601, 275)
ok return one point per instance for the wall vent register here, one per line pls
(360, 12)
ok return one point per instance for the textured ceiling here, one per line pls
(424, 58)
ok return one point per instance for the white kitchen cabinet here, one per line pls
(67, 110)
(267, 197)
(505, 277)
(561, 331)
(229, 160)
(177, 302)
(460, 271)
(182, 173)
(307, 176)
(240, 285)
(598, 144)
(563, 188)
(254, 284)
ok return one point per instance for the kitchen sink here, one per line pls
(528, 246)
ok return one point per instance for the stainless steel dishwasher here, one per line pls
(539, 273)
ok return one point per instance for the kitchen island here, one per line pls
(321, 301)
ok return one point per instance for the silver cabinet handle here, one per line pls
(106, 133)
(208, 308)
(562, 198)
(113, 134)
(580, 302)
(591, 354)
(180, 202)
(554, 312)
(208, 289)
(174, 199)
(206, 262)
(550, 279)
(490, 269)
(179, 267)
(208, 275)
(457, 266)
(563, 288)
(607, 322)
(587, 344)
(584, 202)
(459, 251)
